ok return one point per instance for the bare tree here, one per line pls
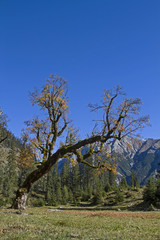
(43, 133)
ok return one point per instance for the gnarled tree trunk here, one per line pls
(21, 199)
(22, 193)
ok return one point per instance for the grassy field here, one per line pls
(50, 223)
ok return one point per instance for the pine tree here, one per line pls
(65, 194)
(137, 184)
(157, 192)
(11, 175)
(65, 173)
(112, 179)
(133, 179)
(149, 192)
(58, 191)
(123, 183)
(50, 193)
(76, 182)
(107, 187)
(97, 194)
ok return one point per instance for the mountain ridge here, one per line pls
(139, 155)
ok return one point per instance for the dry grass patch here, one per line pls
(143, 215)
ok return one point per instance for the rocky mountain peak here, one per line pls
(127, 146)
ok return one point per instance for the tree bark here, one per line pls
(21, 199)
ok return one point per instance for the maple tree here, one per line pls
(43, 133)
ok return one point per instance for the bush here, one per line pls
(37, 202)
(129, 194)
(2, 201)
(119, 197)
(85, 196)
(97, 199)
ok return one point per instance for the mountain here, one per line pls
(140, 156)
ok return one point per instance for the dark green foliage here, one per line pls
(86, 196)
(119, 197)
(65, 195)
(50, 189)
(37, 202)
(108, 187)
(157, 193)
(134, 182)
(97, 199)
(11, 176)
(149, 192)
(66, 174)
(129, 194)
(11, 141)
(2, 201)
(123, 183)
(112, 180)
(137, 184)
(58, 191)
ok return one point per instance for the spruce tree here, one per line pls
(11, 175)
(107, 187)
(50, 193)
(123, 183)
(157, 192)
(149, 192)
(98, 194)
(58, 191)
(112, 179)
(65, 194)
(132, 181)
(76, 182)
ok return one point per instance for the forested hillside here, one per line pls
(13, 165)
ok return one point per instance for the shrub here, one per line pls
(97, 199)
(85, 196)
(119, 197)
(2, 201)
(37, 202)
(129, 194)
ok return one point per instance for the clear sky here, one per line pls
(94, 44)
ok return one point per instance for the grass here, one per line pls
(132, 200)
(50, 223)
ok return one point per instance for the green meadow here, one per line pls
(51, 223)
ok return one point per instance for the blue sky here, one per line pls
(94, 44)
